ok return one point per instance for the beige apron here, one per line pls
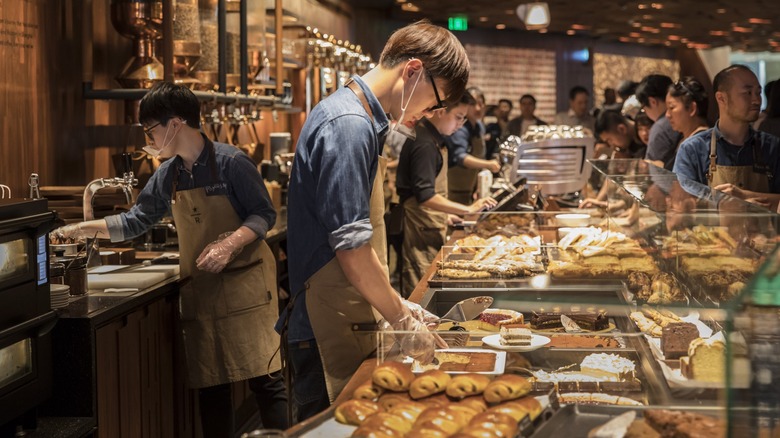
(462, 181)
(425, 231)
(227, 318)
(342, 320)
(754, 178)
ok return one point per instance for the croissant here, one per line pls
(502, 423)
(465, 385)
(429, 383)
(355, 411)
(445, 425)
(475, 402)
(530, 404)
(383, 421)
(409, 411)
(393, 376)
(389, 400)
(435, 401)
(367, 391)
(460, 413)
(488, 430)
(370, 432)
(515, 411)
(507, 387)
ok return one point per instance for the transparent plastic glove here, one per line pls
(430, 320)
(414, 339)
(219, 253)
(67, 234)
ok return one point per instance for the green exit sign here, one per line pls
(459, 23)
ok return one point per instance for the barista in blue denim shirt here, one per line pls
(228, 297)
(747, 162)
(336, 240)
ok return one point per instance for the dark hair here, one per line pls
(465, 99)
(768, 90)
(527, 96)
(476, 94)
(773, 105)
(626, 89)
(722, 80)
(506, 101)
(609, 120)
(688, 90)
(167, 100)
(577, 89)
(642, 119)
(652, 86)
(438, 49)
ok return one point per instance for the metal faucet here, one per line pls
(126, 182)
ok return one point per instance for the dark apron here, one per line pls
(227, 318)
(754, 177)
(425, 232)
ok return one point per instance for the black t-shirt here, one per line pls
(419, 163)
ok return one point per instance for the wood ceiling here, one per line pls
(750, 25)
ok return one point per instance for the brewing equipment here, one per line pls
(141, 21)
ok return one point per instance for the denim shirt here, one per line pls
(693, 156)
(459, 143)
(245, 189)
(329, 194)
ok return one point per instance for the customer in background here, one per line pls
(771, 123)
(686, 108)
(228, 300)
(746, 162)
(610, 102)
(651, 93)
(578, 110)
(630, 106)
(643, 125)
(467, 149)
(422, 187)
(519, 125)
(336, 231)
(496, 121)
(768, 96)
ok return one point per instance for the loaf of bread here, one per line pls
(464, 385)
(389, 400)
(355, 411)
(393, 376)
(409, 411)
(507, 387)
(429, 383)
(475, 402)
(384, 421)
(367, 391)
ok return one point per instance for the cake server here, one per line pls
(569, 325)
(467, 309)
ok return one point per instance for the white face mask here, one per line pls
(154, 153)
(399, 127)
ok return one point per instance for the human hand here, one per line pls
(760, 201)
(453, 219)
(482, 204)
(67, 234)
(731, 189)
(592, 202)
(494, 166)
(415, 340)
(217, 254)
(417, 312)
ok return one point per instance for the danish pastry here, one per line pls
(393, 376)
(465, 385)
(530, 404)
(409, 411)
(475, 402)
(507, 387)
(383, 421)
(389, 400)
(367, 391)
(429, 383)
(355, 411)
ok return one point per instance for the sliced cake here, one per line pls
(515, 336)
(676, 337)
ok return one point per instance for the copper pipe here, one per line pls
(167, 41)
(278, 13)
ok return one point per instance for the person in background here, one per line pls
(630, 106)
(746, 162)
(519, 125)
(578, 110)
(662, 146)
(336, 231)
(610, 102)
(503, 112)
(768, 96)
(771, 123)
(686, 108)
(422, 188)
(228, 300)
(643, 125)
(466, 149)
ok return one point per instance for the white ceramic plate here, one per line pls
(537, 341)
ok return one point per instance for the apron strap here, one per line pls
(352, 85)
(759, 164)
(713, 157)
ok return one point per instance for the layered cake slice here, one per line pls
(676, 337)
(515, 336)
(609, 367)
(586, 320)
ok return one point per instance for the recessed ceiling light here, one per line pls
(543, 30)
(636, 24)
(657, 5)
(570, 32)
(718, 33)
(640, 40)
(759, 21)
(624, 39)
(410, 7)
(500, 26)
(684, 40)
(647, 17)
(580, 27)
(671, 25)
(741, 29)
(668, 43)
(635, 34)
(483, 19)
(673, 38)
(721, 10)
(642, 6)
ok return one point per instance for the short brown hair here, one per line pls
(439, 50)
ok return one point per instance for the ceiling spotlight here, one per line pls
(500, 26)
(534, 15)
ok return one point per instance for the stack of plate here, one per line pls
(59, 296)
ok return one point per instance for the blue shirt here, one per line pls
(329, 194)
(459, 143)
(693, 157)
(244, 187)
(662, 145)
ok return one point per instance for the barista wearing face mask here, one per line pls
(336, 233)
(228, 299)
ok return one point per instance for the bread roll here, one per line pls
(393, 376)
(442, 424)
(384, 421)
(429, 383)
(461, 413)
(426, 433)
(507, 387)
(465, 385)
(530, 404)
(435, 401)
(409, 411)
(355, 411)
(389, 400)
(370, 432)
(367, 391)
(475, 402)
(514, 411)
(489, 430)
(493, 417)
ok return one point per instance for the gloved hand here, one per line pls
(414, 339)
(417, 312)
(219, 253)
(67, 234)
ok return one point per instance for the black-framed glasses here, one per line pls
(439, 104)
(148, 131)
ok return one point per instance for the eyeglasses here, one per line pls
(439, 104)
(148, 131)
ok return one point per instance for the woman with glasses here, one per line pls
(422, 189)
(686, 107)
